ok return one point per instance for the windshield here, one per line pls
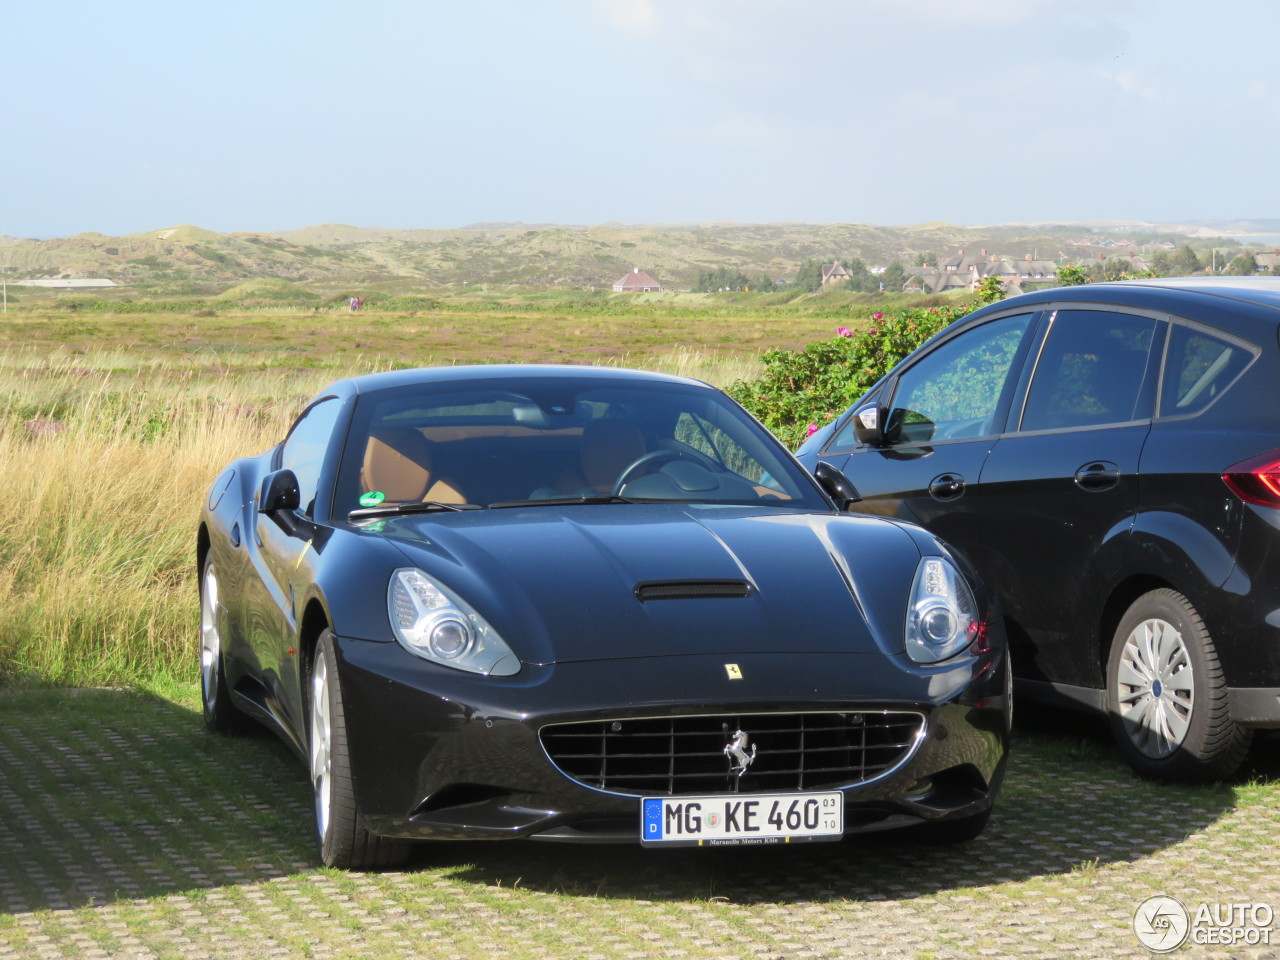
(546, 439)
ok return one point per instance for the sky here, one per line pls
(270, 115)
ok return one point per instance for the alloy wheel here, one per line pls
(210, 640)
(321, 745)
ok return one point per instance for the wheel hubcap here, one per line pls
(210, 639)
(1156, 688)
(321, 756)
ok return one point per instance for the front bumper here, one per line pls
(441, 755)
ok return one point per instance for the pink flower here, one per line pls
(873, 331)
(843, 332)
(813, 428)
(877, 316)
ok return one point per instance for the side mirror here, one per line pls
(868, 424)
(837, 486)
(279, 492)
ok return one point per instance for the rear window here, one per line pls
(1092, 370)
(1198, 369)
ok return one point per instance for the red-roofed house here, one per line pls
(637, 281)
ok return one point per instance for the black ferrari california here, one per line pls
(587, 604)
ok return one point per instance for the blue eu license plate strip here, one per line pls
(741, 819)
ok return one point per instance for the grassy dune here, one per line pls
(112, 427)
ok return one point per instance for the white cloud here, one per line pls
(972, 11)
(742, 130)
(1131, 84)
(629, 16)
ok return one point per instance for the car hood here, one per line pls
(564, 583)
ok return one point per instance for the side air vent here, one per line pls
(691, 589)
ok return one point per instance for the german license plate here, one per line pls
(741, 819)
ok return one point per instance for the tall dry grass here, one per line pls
(105, 468)
(106, 456)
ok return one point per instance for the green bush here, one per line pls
(808, 387)
(404, 303)
(88, 303)
(75, 302)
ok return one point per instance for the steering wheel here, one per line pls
(660, 456)
(639, 463)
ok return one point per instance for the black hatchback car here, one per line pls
(1108, 456)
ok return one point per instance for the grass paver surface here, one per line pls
(126, 830)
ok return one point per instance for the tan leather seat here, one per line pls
(608, 448)
(397, 462)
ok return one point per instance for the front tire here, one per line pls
(341, 837)
(1166, 696)
(220, 714)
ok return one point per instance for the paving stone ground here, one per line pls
(127, 831)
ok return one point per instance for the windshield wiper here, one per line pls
(561, 501)
(413, 506)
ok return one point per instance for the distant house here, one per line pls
(834, 273)
(1031, 270)
(961, 272)
(1118, 264)
(1136, 263)
(1105, 242)
(966, 271)
(637, 281)
(1268, 262)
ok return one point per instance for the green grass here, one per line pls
(463, 331)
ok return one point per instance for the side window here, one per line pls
(1094, 368)
(306, 445)
(953, 392)
(1198, 369)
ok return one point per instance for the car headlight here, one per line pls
(433, 622)
(942, 617)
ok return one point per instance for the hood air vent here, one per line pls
(692, 589)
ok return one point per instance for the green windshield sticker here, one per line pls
(372, 498)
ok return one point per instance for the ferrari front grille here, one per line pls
(688, 755)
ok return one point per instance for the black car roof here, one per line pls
(1163, 292)
(391, 379)
(1174, 295)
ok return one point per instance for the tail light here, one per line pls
(1256, 480)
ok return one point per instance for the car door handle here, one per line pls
(947, 486)
(1098, 475)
